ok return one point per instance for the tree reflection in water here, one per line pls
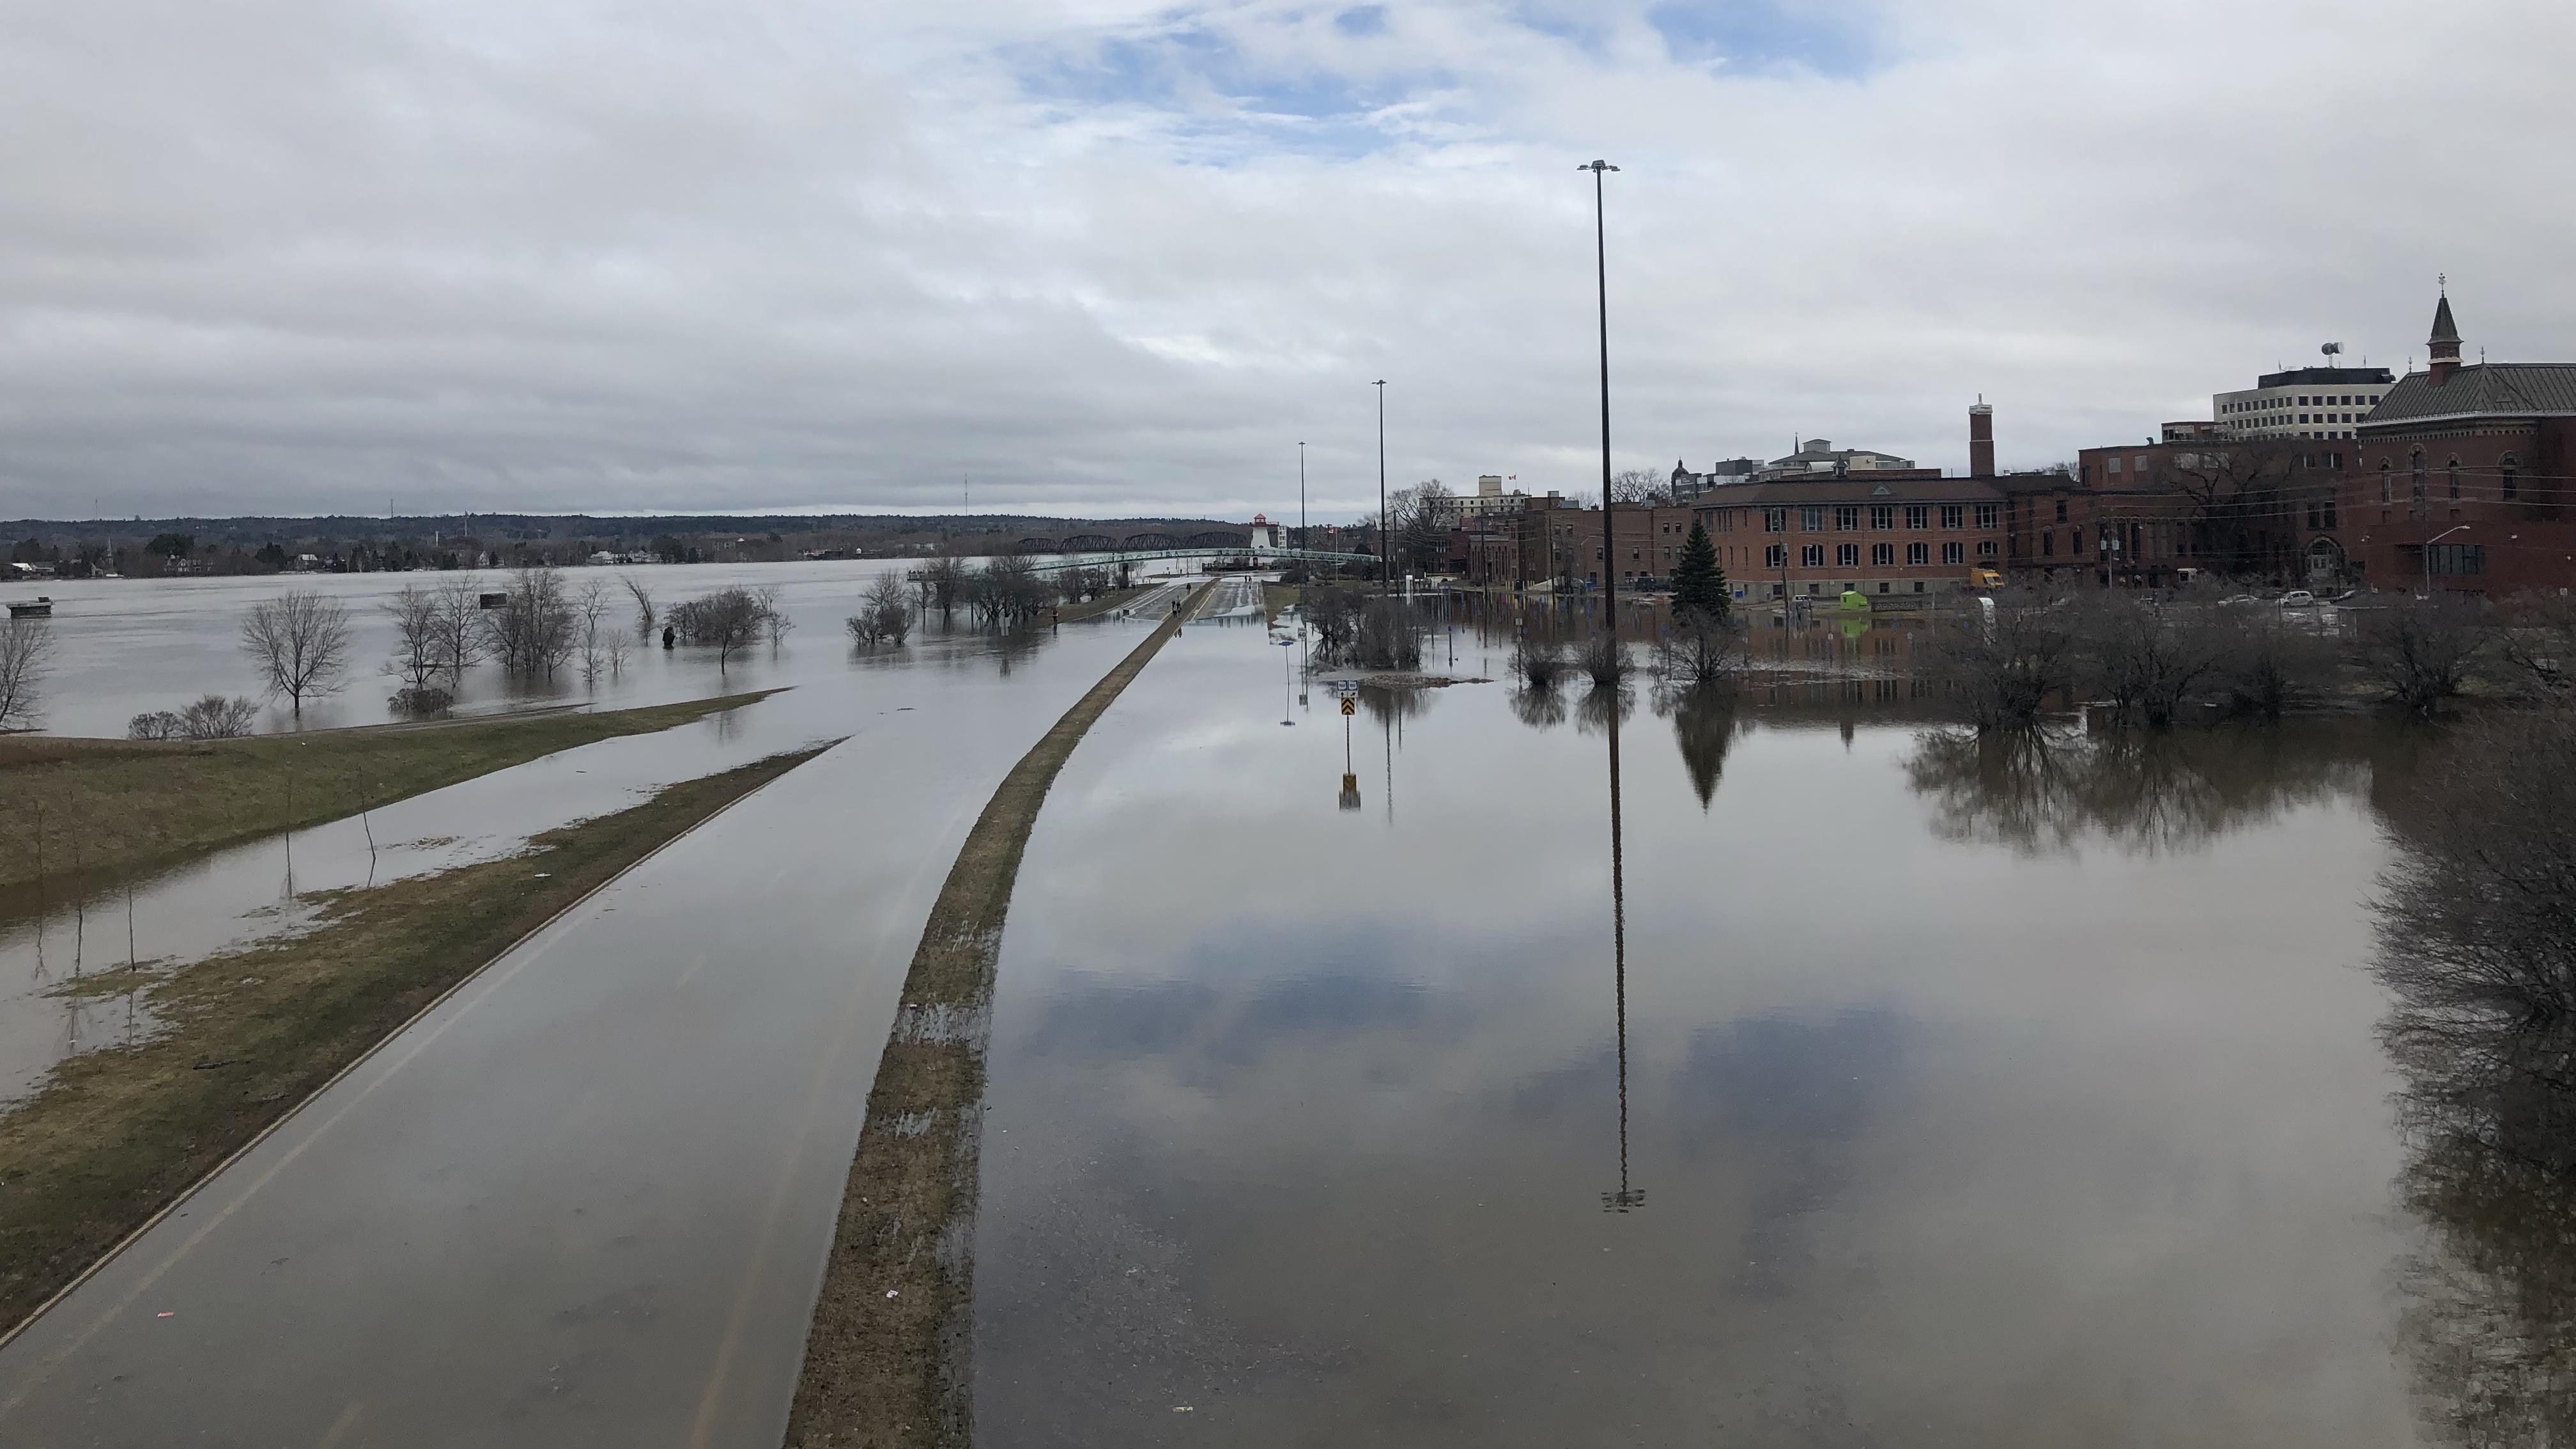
(1601, 708)
(2477, 945)
(1540, 709)
(1704, 722)
(2039, 791)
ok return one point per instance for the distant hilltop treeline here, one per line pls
(340, 542)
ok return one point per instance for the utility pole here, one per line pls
(1301, 493)
(1601, 281)
(1383, 558)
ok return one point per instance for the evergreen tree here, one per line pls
(1699, 585)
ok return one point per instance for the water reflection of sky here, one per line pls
(1302, 1119)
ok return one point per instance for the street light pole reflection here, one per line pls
(1627, 1197)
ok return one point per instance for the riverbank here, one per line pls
(116, 1134)
(96, 809)
(889, 1356)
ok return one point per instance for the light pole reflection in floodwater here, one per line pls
(1626, 1198)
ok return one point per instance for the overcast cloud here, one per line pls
(1111, 257)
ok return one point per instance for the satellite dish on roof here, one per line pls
(2332, 350)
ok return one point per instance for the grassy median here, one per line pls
(889, 1357)
(111, 806)
(115, 1134)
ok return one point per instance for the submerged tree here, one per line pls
(300, 642)
(26, 646)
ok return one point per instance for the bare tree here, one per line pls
(2148, 661)
(1538, 661)
(643, 603)
(590, 610)
(1701, 650)
(2422, 652)
(459, 627)
(944, 579)
(888, 610)
(2537, 641)
(300, 643)
(2271, 665)
(534, 631)
(2245, 499)
(26, 647)
(772, 618)
(1998, 670)
(1641, 485)
(420, 653)
(729, 619)
(1605, 658)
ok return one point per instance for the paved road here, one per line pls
(586, 1201)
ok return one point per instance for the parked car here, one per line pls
(2298, 599)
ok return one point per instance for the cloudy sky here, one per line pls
(1107, 256)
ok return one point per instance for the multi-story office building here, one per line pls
(2304, 402)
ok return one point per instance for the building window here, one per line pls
(1776, 556)
(1811, 520)
(1954, 552)
(1985, 548)
(1882, 515)
(1985, 515)
(2112, 466)
(1882, 555)
(2075, 542)
(2418, 494)
(1811, 555)
(1954, 515)
(2505, 471)
(2387, 487)
(1846, 517)
(1918, 515)
(1775, 520)
(2453, 558)
(2061, 510)
(2453, 472)
(1847, 555)
(2048, 544)
(1918, 553)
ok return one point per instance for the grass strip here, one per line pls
(108, 807)
(247, 1036)
(889, 1358)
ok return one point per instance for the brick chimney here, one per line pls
(2445, 341)
(1981, 440)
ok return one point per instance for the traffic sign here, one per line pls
(1350, 705)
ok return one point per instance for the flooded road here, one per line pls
(586, 1200)
(1874, 1093)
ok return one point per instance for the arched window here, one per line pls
(2418, 494)
(2506, 469)
(2387, 483)
(2454, 471)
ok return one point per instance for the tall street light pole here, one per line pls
(1383, 557)
(1601, 281)
(1301, 495)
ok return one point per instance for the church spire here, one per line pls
(2445, 341)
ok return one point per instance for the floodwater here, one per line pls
(1486, 1071)
(120, 633)
(125, 646)
(587, 1199)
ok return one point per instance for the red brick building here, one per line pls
(1917, 533)
(2460, 478)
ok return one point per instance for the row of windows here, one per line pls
(2303, 400)
(1881, 555)
(1882, 516)
(2508, 479)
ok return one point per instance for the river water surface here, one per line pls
(1862, 1089)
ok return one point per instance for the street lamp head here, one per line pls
(1596, 167)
